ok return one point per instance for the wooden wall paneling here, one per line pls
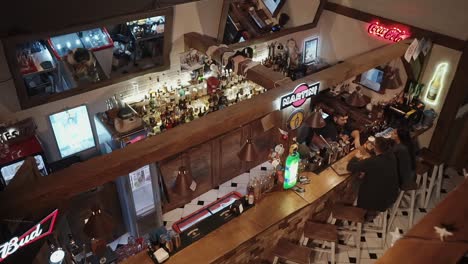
(231, 165)
(200, 165)
(216, 161)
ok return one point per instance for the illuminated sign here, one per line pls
(33, 234)
(394, 34)
(296, 119)
(436, 84)
(17, 131)
(301, 93)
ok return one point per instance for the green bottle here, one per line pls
(291, 170)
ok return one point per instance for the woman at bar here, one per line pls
(379, 178)
(405, 154)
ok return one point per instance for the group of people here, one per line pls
(391, 167)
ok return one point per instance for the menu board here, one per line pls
(72, 130)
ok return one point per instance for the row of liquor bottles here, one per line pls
(167, 107)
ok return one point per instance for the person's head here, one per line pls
(340, 118)
(402, 136)
(382, 145)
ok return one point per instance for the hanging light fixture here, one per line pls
(248, 151)
(100, 224)
(357, 99)
(315, 120)
(183, 180)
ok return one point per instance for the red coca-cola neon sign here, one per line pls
(33, 234)
(394, 34)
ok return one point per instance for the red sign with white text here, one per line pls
(33, 234)
(394, 34)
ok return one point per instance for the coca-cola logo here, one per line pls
(33, 234)
(389, 33)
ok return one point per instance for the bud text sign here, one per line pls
(33, 234)
(301, 93)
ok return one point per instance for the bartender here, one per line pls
(337, 128)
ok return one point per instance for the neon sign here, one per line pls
(301, 93)
(33, 234)
(394, 34)
(436, 84)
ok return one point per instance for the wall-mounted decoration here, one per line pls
(436, 84)
(72, 130)
(191, 60)
(310, 50)
(299, 96)
(42, 229)
(295, 119)
(392, 33)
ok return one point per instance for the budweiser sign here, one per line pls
(42, 229)
(389, 33)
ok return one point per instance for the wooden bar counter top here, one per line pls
(272, 209)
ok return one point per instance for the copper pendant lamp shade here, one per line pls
(357, 99)
(183, 181)
(315, 120)
(248, 152)
(100, 225)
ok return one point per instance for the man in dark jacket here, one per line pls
(379, 186)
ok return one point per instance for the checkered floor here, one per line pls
(369, 241)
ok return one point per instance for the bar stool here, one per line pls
(291, 252)
(422, 172)
(357, 217)
(324, 233)
(411, 190)
(435, 181)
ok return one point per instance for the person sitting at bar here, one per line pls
(379, 178)
(337, 128)
(405, 154)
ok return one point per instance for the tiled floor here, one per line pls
(238, 184)
(369, 241)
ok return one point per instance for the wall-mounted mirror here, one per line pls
(250, 20)
(56, 65)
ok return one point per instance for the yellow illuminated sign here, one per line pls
(435, 87)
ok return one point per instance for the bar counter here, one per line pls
(254, 233)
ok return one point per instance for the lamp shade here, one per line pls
(183, 181)
(248, 152)
(99, 225)
(315, 120)
(357, 99)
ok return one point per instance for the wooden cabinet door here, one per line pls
(230, 164)
(200, 160)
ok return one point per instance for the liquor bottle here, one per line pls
(75, 251)
(152, 101)
(291, 170)
(200, 112)
(436, 83)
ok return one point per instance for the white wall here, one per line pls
(439, 54)
(442, 16)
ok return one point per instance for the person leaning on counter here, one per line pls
(337, 128)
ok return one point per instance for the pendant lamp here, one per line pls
(183, 182)
(249, 151)
(100, 224)
(357, 99)
(315, 120)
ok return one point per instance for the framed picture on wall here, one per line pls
(72, 130)
(273, 6)
(310, 50)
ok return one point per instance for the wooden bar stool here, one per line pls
(288, 251)
(411, 190)
(357, 217)
(381, 227)
(435, 181)
(422, 171)
(323, 233)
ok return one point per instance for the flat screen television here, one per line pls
(72, 130)
(372, 79)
